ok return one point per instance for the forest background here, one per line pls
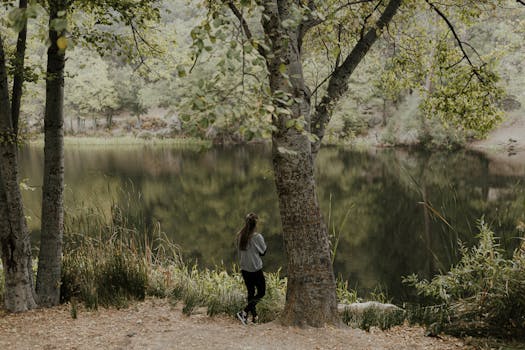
(170, 81)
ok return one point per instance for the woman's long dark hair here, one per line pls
(247, 230)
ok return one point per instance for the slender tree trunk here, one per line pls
(15, 242)
(18, 80)
(50, 258)
(310, 294)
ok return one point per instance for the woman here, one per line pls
(251, 247)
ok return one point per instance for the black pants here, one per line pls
(254, 280)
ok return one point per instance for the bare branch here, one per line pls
(458, 40)
(137, 46)
(363, 27)
(312, 22)
(321, 83)
(339, 33)
(141, 37)
(348, 4)
(521, 2)
(456, 63)
(326, 48)
(245, 27)
(243, 22)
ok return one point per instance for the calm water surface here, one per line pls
(199, 199)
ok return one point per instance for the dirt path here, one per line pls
(154, 324)
(508, 137)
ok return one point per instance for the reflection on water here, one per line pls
(406, 210)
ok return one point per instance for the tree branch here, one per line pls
(312, 22)
(363, 27)
(18, 80)
(245, 27)
(137, 46)
(321, 83)
(521, 2)
(348, 4)
(458, 40)
(338, 83)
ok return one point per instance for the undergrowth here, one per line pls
(483, 295)
(110, 263)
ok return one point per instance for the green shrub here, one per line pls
(122, 277)
(216, 289)
(484, 294)
(103, 272)
(271, 306)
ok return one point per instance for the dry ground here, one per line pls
(509, 136)
(154, 324)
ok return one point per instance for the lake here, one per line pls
(373, 202)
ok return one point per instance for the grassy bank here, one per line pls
(114, 265)
(482, 295)
(127, 141)
(118, 266)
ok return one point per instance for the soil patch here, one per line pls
(155, 324)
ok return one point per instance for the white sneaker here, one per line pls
(243, 317)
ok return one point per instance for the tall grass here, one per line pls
(107, 262)
(183, 142)
(483, 295)
(107, 271)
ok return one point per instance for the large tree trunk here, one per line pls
(310, 295)
(50, 258)
(15, 241)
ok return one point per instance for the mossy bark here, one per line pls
(15, 242)
(50, 256)
(310, 295)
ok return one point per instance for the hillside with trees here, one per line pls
(170, 81)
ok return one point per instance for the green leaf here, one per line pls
(248, 48)
(283, 111)
(58, 24)
(32, 11)
(181, 71)
(311, 137)
(299, 126)
(17, 19)
(270, 108)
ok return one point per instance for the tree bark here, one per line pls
(15, 240)
(50, 257)
(18, 80)
(310, 294)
